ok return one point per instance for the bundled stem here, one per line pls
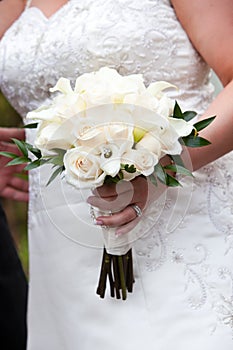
(119, 271)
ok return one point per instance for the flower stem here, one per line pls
(122, 277)
(119, 270)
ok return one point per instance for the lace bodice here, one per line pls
(84, 35)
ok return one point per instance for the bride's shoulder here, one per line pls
(10, 10)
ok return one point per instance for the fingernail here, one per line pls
(99, 222)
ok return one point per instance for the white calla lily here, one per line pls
(156, 88)
(150, 142)
(63, 85)
(110, 159)
(182, 127)
(54, 135)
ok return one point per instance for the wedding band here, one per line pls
(137, 210)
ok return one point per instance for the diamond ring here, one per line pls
(137, 210)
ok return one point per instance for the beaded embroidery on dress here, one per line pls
(183, 265)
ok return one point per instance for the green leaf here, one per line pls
(153, 180)
(21, 146)
(57, 160)
(18, 160)
(160, 173)
(172, 182)
(120, 175)
(177, 113)
(129, 168)
(33, 165)
(9, 154)
(189, 115)
(59, 151)
(178, 169)
(33, 150)
(203, 123)
(30, 126)
(177, 160)
(22, 176)
(195, 141)
(57, 172)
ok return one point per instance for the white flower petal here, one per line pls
(63, 85)
(156, 88)
(182, 127)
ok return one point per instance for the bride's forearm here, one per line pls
(219, 132)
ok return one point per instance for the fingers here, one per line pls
(139, 191)
(118, 219)
(114, 203)
(12, 193)
(6, 134)
(127, 228)
(18, 184)
(110, 191)
(9, 147)
(16, 189)
(11, 170)
(115, 197)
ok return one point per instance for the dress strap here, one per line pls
(28, 3)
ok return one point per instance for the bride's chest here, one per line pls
(132, 36)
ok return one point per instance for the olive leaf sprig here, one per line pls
(33, 158)
(192, 140)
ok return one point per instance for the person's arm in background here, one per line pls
(11, 186)
(13, 283)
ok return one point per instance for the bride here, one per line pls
(183, 293)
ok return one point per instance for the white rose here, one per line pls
(82, 168)
(143, 160)
(97, 136)
(103, 124)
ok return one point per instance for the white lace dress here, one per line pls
(183, 292)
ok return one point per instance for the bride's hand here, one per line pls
(125, 200)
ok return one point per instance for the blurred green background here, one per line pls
(16, 211)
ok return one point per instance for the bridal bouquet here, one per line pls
(111, 128)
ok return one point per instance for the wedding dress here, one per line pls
(183, 291)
